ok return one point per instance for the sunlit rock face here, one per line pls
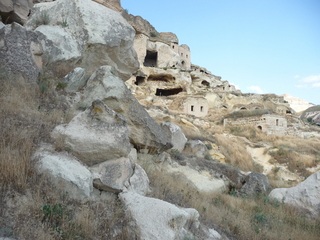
(83, 33)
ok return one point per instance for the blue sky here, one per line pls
(261, 46)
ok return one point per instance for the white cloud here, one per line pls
(301, 86)
(311, 79)
(316, 85)
(296, 76)
(255, 89)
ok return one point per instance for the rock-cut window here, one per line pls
(192, 108)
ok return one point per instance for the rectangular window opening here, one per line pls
(192, 108)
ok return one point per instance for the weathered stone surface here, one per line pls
(139, 182)
(166, 56)
(15, 10)
(305, 195)
(144, 132)
(16, 55)
(169, 37)
(64, 165)
(75, 80)
(297, 104)
(177, 137)
(95, 135)
(71, 37)
(196, 147)
(112, 174)
(113, 4)
(162, 221)
(139, 24)
(255, 183)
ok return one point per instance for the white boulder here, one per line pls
(83, 33)
(65, 166)
(305, 195)
(157, 219)
(175, 134)
(95, 135)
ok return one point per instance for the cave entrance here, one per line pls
(168, 92)
(205, 83)
(260, 128)
(151, 59)
(139, 80)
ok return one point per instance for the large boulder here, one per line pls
(175, 134)
(83, 33)
(158, 219)
(139, 181)
(144, 132)
(305, 195)
(15, 10)
(95, 135)
(111, 175)
(62, 165)
(196, 147)
(255, 183)
(20, 51)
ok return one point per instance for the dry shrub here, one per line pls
(235, 152)
(239, 218)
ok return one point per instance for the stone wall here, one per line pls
(268, 123)
(196, 106)
(184, 52)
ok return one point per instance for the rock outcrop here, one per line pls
(110, 176)
(255, 183)
(196, 147)
(305, 195)
(140, 25)
(297, 104)
(158, 219)
(95, 135)
(20, 52)
(15, 10)
(175, 134)
(312, 115)
(62, 165)
(144, 132)
(69, 37)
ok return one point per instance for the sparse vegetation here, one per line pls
(31, 207)
(153, 34)
(261, 217)
(43, 19)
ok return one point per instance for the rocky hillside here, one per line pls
(312, 115)
(110, 132)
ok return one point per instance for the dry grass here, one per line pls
(239, 218)
(235, 152)
(297, 153)
(31, 207)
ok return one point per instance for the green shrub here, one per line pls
(153, 34)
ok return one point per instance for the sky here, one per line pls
(260, 46)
